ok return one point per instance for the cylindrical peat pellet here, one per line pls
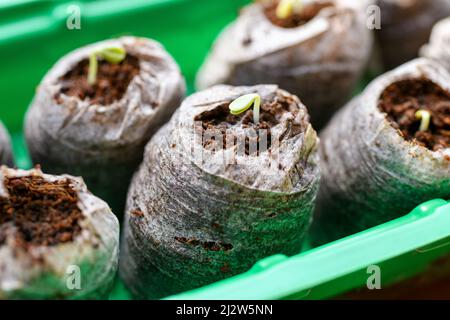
(99, 131)
(406, 26)
(317, 53)
(57, 240)
(438, 47)
(386, 152)
(205, 204)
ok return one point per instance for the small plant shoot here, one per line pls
(288, 7)
(112, 55)
(424, 116)
(243, 103)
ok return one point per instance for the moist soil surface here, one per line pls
(308, 12)
(401, 100)
(232, 128)
(111, 85)
(42, 213)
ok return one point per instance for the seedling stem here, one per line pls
(286, 8)
(113, 55)
(243, 103)
(424, 116)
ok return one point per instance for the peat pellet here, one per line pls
(99, 131)
(406, 26)
(438, 47)
(379, 159)
(206, 205)
(317, 54)
(57, 240)
(6, 157)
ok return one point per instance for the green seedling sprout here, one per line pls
(424, 116)
(286, 8)
(243, 103)
(113, 55)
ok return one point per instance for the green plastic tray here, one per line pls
(33, 35)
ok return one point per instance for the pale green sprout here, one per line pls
(113, 55)
(243, 103)
(286, 8)
(425, 117)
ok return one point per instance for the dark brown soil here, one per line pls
(112, 81)
(207, 245)
(43, 213)
(230, 127)
(401, 100)
(297, 19)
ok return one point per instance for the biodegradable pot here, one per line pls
(438, 47)
(370, 172)
(196, 215)
(406, 26)
(327, 54)
(52, 230)
(103, 143)
(5, 147)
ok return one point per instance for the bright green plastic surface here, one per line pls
(33, 35)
